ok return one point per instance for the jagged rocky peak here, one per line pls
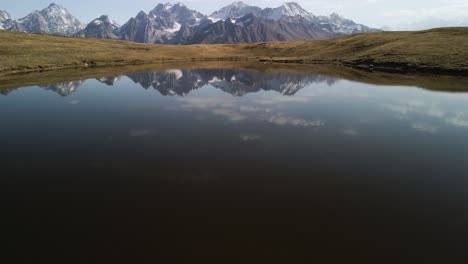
(141, 15)
(162, 24)
(54, 19)
(177, 12)
(234, 10)
(167, 7)
(102, 27)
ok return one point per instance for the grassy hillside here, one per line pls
(444, 50)
(439, 50)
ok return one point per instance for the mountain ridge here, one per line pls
(171, 23)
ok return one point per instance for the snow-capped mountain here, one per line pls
(251, 28)
(161, 24)
(235, 24)
(177, 24)
(240, 9)
(235, 10)
(102, 27)
(239, 22)
(52, 20)
(287, 10)
(4, 18)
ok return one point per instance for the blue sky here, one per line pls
(376, 13)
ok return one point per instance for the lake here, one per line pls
(264, 166)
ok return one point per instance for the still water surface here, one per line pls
(274, 166)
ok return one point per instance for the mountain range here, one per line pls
(177, 24)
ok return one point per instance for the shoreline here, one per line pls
(389, 67)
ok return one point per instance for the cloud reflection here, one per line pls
(281, 120)
(140, 132)
(249, 137)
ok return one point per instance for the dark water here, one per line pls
(259, 167)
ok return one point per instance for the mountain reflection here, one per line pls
(237, 83)
(110, 81)
(182, 82)
(64, 89)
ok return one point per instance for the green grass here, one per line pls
(437, 51)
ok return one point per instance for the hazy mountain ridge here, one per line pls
(177, 24)
(431, 22)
